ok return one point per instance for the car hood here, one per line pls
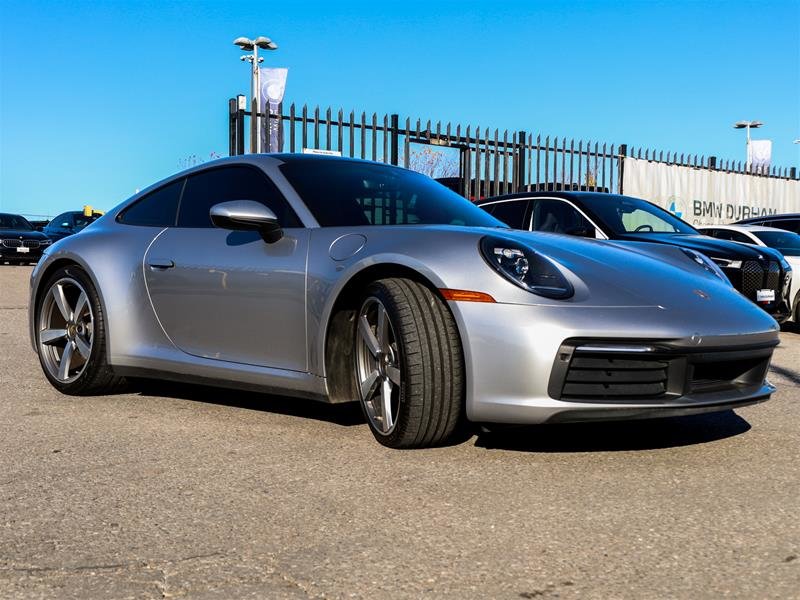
(711, 247)
(602, 273)
(22, 234)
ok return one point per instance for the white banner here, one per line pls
(707, 197)
(760, 154)
(273, 86)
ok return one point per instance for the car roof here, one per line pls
(568, 195)
(742, 227)
(770, 218)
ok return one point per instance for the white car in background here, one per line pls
(786, 242)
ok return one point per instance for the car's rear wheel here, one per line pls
(409, 365)
(71, 335)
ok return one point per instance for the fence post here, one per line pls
(241, 103)
(519, 158)
(394, 128)
(233, 111)
(623, 152)
(712, 162)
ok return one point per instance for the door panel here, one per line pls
(230, 296)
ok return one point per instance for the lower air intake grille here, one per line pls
(595, 376)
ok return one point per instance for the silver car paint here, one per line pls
(644, 294)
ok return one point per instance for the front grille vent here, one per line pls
(756, 276)
(593, 376)
(21, 243)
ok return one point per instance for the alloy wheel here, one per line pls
(378, 366)
(66, 330)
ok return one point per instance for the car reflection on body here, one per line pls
(339, 280)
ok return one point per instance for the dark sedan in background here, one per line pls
(19, 240)
(761, 274)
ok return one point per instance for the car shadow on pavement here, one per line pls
(649, 434)
(339, 414)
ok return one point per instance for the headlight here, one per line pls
(45, 242)
(526, 268)
(727, 264)
(711, 265)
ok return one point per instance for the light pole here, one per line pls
(249, 45)
(748, 125)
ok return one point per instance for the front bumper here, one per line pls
(33, 254)
(519, 358)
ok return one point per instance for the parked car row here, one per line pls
(338, 280)
(21, 242)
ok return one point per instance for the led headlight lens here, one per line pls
(727, 264)
(526, 268)
(709, 265)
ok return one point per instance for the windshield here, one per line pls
(15, 222)
(623, 214)
(348, 193)
(786, 242)
(82, 221)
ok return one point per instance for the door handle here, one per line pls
(160, 264)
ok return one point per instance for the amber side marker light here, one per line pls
(465, 296)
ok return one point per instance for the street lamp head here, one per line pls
(244, 43)
(750, 124)
(265, 43)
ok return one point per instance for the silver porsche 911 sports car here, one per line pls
(341, 280)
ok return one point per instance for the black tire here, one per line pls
(431, 396)
(97, 377)
(796, 310)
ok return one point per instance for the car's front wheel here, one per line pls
(409, 365)
(71, 334)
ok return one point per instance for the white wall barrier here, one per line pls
(709, 197)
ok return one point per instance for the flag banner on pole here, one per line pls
(760, 154)
(273, 86)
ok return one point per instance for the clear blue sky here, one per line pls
(100, 98)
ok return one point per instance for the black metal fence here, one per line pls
(478, 161)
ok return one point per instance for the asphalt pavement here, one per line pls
(170, 491)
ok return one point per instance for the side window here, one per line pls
(156, 209)
(559, 217)
(510, 212)
(740, 237)
(710, 232)
(723, 234)
(787, 224)
(207, 188)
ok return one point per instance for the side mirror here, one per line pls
(247, 215)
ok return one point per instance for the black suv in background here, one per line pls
(68, 223)
(19, 240)
(761, 274)
(789, 222)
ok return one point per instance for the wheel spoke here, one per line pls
(366, 334)
(381, 329)
(61, 302)
(80, 305)
(394, 374)
(368, 385)
(83, 348)
(66, 361)
(386, 404)
(51, 336)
